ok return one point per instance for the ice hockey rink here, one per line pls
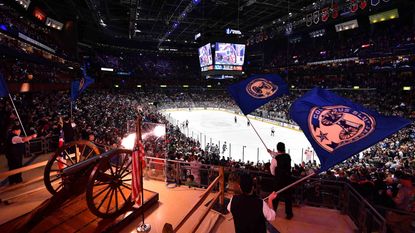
(218, 127)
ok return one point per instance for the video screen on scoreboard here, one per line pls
(205, 55)
(229, 54)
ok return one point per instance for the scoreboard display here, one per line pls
(228, 59)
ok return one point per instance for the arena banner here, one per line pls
(79, 86)
(257, 90)
(3, 87)
(338, 128)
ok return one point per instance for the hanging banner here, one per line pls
(309, 20)
(363, 4)
(374, 2)
(335, 10)
(325, 14)
(353, 5)
(316, 17)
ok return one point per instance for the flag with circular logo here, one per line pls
(338, 128)
(257, 90)
(79, 86)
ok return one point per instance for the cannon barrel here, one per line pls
(91, 161)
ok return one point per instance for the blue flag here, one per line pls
(257, 90)
(3, 87)
(79, 86)
(338, 128)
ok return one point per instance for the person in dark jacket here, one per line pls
(281, 170)
(15, 149)
(249, 212)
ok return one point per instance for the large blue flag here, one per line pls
(79, 86)
(3, 87)
(257, 90)
(338, 128)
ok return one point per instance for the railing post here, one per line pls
(222, 186)
(257, 155)
(230, 149)
(178, 174)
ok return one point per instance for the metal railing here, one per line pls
(40, 146)
(314, 192)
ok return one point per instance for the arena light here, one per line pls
(163, 86)
(352, 24)
(24, 3)
(407, 88)
(209, 86)
(53, 23)
(139, 86)
(116, 86)
(159, 131)
(356, 87)
(107, 69)
(129, 141)
(185, 86)
(384, 16)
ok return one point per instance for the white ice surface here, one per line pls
(218, 126)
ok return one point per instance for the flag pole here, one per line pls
(71, 111)
(294, 183)
(17, 113)
(256, 132)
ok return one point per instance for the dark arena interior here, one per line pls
(207, 115)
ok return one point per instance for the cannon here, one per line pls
(105, 178)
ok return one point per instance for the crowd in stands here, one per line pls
(152, 66)
(21, 71)
(11, 18)
(381, 40)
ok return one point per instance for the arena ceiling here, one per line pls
(151, 20)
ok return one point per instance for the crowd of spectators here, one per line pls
(15, 21)
(382, 40)
(21, 71)
(109, 114)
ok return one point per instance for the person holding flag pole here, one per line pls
(336, 127)
(4, 91)
(15, 148)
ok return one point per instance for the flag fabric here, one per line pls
(137, 154)
(257, 90)
(79, 86)
(3, 87)
(338, 128)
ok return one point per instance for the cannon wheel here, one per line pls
(66, 156)
(108, 191)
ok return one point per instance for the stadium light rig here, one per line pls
(179, 19)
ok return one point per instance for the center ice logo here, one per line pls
(261, 88)
(335, 126)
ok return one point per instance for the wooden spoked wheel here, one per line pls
(108, 192)
(66, 156)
